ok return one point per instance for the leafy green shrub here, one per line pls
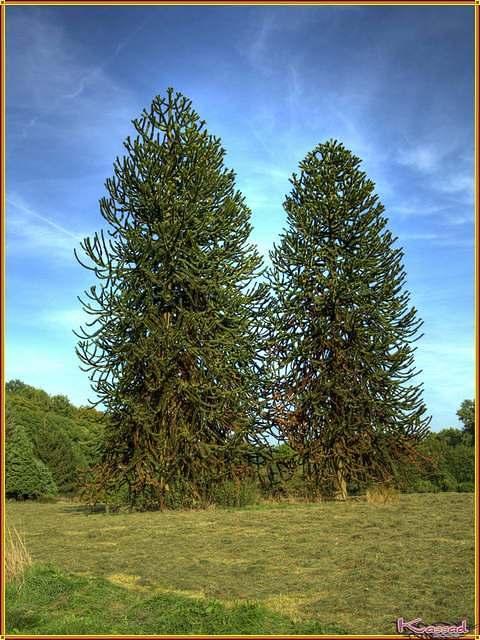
(102, 499)
(64, 438)
(449, 462)
(54, 445)
(460, 462)
(447, 483)
(235, 493)
(423, 486)
(466, 487)
(26, 475)
(182, 494)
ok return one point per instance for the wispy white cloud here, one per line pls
(424, 158)
(256, 48)
(420, 236)
(457, 219)
(416, 207)
(443, 167)
(438, 239)
(29, 231)
(68, 97)
(96, 72)
(446, 212)
(19, 205)
(458, 183)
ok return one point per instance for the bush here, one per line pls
(460, 462)
(466, 487)
(447, 483)
(26, 475)
(180, 494)
(56, 449)
(235, 493)
(423, 486)
(449, 463)
(101, 499)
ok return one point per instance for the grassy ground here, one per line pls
(51, 602)
(355, 567)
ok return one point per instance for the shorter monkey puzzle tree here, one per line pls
(172, 348)
(341, 330)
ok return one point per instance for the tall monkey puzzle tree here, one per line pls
(172, 348)
(341, 329)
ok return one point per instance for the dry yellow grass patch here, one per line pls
(127, 581)
(17, 558)
(381, 494)
(136, 583)
(289, 605)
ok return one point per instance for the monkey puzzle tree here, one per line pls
(341, 329)
(172, 348)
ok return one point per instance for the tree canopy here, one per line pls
(342, 328)
(466, 414)
(171, 349)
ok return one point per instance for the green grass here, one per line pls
(50, 602)
(355, 567)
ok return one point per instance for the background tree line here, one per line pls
(51, 443)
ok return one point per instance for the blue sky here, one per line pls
(394, 84)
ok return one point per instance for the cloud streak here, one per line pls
(30, 232)
(19, 205)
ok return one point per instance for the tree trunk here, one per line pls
(341, 483)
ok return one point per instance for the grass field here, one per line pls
(286, 568)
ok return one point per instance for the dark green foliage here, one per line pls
(466, 414)
(235, 493)
(341, 330)
(279, 472)
(453, 437)
(26, 475)
(460, 461)
(61, 404)
(57, 449)
(38, 396)
(171, 349)
(448, 464)
(63, 437)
